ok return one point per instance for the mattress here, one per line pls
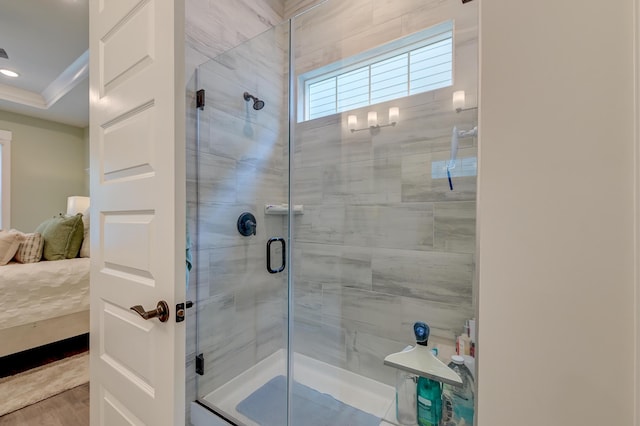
(37, 291)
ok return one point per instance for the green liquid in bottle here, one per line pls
(429, 402)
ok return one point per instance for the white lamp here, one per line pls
(352, 122)
(77, 204)
(394, 114)
(372, 118)
(458, 100)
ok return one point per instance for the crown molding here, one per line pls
(63, 84)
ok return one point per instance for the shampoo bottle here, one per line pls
(429, 392)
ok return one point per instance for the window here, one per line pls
(5, 174)
(418, 63)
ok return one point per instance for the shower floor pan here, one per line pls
(352, 389)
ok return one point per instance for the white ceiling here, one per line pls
(43, 39)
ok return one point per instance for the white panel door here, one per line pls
(137, 211)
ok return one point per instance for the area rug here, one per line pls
(40, 383)
(267, 406)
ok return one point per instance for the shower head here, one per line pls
(257, 103)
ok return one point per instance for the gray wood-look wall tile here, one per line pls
(380, 310)
(323, 224)
(433, 276)
(366, 352)
(308, 186)
(455, 226)
(401, 226)
(363, 182)
(215, 27)
(308, 300)
(445, 320)
(321, 341)
(294, 7)
(419, 183)
(335, 264)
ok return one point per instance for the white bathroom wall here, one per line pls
(556, 213)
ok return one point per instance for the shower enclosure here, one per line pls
(330, 208)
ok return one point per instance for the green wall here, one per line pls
(48, 160)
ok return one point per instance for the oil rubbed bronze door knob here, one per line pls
(161, 312)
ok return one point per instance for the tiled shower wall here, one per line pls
(241, 306)
(383, 241)
(242, 168)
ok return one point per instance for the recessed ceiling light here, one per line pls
(9, 73)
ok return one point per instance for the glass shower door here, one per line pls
(385, 168)
(380, 227)
(239, 193)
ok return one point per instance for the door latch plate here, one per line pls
(180, 310)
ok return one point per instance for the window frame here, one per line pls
(434, 34)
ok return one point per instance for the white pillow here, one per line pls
(9, 243)
(31, 246)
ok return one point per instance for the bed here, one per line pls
(43, 302)
(44, 280)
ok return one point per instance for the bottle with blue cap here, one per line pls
(462, 398)
(429, 392)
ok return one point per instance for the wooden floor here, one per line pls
(70, 408)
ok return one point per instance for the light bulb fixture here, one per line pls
(372, 120)
(352, 122)
(9, 73)
(394, 114)
(459, 102)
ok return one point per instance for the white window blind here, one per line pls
(394, 73)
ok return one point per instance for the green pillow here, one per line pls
(62, 237)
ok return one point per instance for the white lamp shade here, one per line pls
(372, 118)
(77, 204)
(458, 99)
(352, 122)
(394, 114)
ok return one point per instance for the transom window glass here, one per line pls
(419, 63)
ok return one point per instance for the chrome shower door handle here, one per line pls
(161, 311)
(284, 255)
